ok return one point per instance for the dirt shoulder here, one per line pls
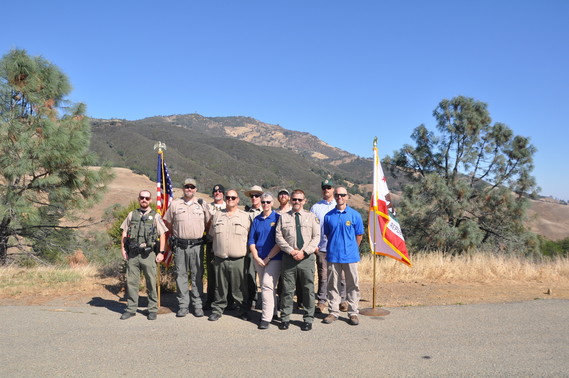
(110, 290)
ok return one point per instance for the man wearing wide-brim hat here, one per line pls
(254, 209)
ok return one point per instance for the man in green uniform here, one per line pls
(141, 230)
(298, 234)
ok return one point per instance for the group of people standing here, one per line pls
(281, 245)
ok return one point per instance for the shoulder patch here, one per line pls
(317, 220)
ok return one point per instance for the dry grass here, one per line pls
(477, 267)
(16, 281)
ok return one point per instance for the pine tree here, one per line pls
(44, 157)
(469, 182)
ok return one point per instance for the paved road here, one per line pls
(514, 339)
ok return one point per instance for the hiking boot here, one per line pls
(127, 315)
(182, 312)
(344, 306)
(329, 319)
(354, 320)
(320, 308)
(198, 312)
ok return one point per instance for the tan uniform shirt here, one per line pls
(286, 231)
(158, 223)
(188, 219)
(253, 212)
(230, 233)
(213, 207)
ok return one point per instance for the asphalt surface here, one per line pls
(513, 339)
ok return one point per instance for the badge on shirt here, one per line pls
(348, 223)
(317, 220)
(272, 224)
(150, 217)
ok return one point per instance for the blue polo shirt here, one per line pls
(341, 228)
(262, 234)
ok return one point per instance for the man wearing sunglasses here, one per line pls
(344, 229)
(141, 229)
(254, 193)
(218, 194)
(321, 208)
(230, 230)
(187, 218)
(298, 234)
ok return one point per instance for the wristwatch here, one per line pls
(162, 252)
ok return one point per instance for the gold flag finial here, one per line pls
(160, 146)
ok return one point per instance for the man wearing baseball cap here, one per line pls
(187, 218)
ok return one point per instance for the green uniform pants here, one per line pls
(229, 279)
(303, 271)
(134, 266)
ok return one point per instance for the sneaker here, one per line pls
(182, 312)
(329, 319)
(152, 316)
(306, 326)
(264, 324)
(354, 320)
(127, 315)
(344, 306)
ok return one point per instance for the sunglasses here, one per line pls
(189, 186)
(217, 191)
(326, 187)
(266, 202)
(255, 195)
(297, 199)
(144, 198)
(232, 198)
(340, 194)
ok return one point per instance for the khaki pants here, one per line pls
(269, 276)
(335, 271)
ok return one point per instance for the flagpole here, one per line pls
(374, 311)
(160, 147)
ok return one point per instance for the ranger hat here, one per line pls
(255, 189)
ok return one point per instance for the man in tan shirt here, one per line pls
(230, 230)
(187, 219)
(298, 234)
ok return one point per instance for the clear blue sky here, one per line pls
(345, 71)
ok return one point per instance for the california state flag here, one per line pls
(385, 236)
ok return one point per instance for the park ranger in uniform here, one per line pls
(298, 234)
(230, 230)
(141, 229)
(187, 218)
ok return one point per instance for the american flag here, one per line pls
(164, 195)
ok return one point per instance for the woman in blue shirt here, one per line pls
(266, 256)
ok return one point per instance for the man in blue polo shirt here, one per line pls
(344, 229)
